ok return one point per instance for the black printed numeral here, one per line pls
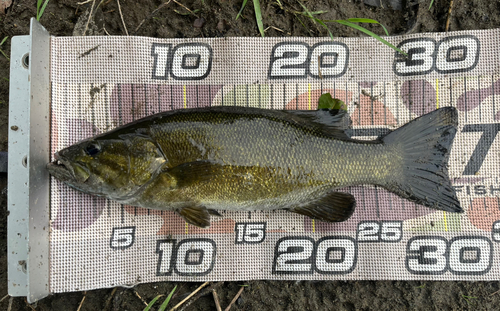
(291, 60)
(463, 255)
(191, 257)
(301, 255)
(476, 160)
(495, 231)
(449, 55)
(379, 231)
(122, 238)
(250, 233)
(186, 61)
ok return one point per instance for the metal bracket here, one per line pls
(29, 150)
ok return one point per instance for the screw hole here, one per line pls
(23, 265)
(25, 161)
(26, 60)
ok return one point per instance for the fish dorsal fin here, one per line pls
(333, 207)
(196, 215)
(332, 122)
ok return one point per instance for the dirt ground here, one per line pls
(67, 18)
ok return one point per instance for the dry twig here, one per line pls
(88, 20)
(137, 294)
(81, 302)
(121, 16)
(150, 15)
(109, 298)
(235, 298)
(10, 303)
(216, 299)
(202, 293)
(190, 295)
(448, 18)
(28, 304)
(4, 297)
(182, 5)
(498, 291)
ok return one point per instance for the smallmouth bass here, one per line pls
(196, 161)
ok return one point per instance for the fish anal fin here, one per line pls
(195, 215)
(333, 207)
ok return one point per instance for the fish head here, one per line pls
(112, 168)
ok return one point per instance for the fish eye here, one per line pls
(92, 149)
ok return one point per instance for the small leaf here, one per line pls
(327, 102)
(152, 303)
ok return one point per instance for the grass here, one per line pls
(258, 14)
(40, 8)
(468, 298)
(164, 304)
(430, 6)
(3, 53)
(350, 22)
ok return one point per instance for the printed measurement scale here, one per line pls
(99, 83)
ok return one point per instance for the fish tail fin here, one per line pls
(423, 146)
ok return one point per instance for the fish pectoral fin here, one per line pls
(195, 215)
(214, 213)
(333, 207)
(190, 173)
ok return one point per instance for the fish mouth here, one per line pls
(64, 170)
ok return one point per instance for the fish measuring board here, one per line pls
(99, 83)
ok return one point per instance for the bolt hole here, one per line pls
(25, 161)
(23, 265)
(26, 61)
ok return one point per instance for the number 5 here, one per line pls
(122, 238)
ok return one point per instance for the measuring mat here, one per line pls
(99, 83)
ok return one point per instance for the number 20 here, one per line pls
(291, 60)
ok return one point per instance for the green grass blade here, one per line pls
(152, 303)
(313, 13)
(167, 300)
(302, 23)
(368, 21)
(307, 13)
(326, 27)
(258, 16)
(3, 40)
(363, 20)
(5, 55)
(39, 11)
(385, 29)
(430, 6)
(346, 23)
(241, 10)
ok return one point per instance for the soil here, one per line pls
(67, 18)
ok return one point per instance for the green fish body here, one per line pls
(195, 161)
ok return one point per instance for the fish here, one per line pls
(198, 161)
